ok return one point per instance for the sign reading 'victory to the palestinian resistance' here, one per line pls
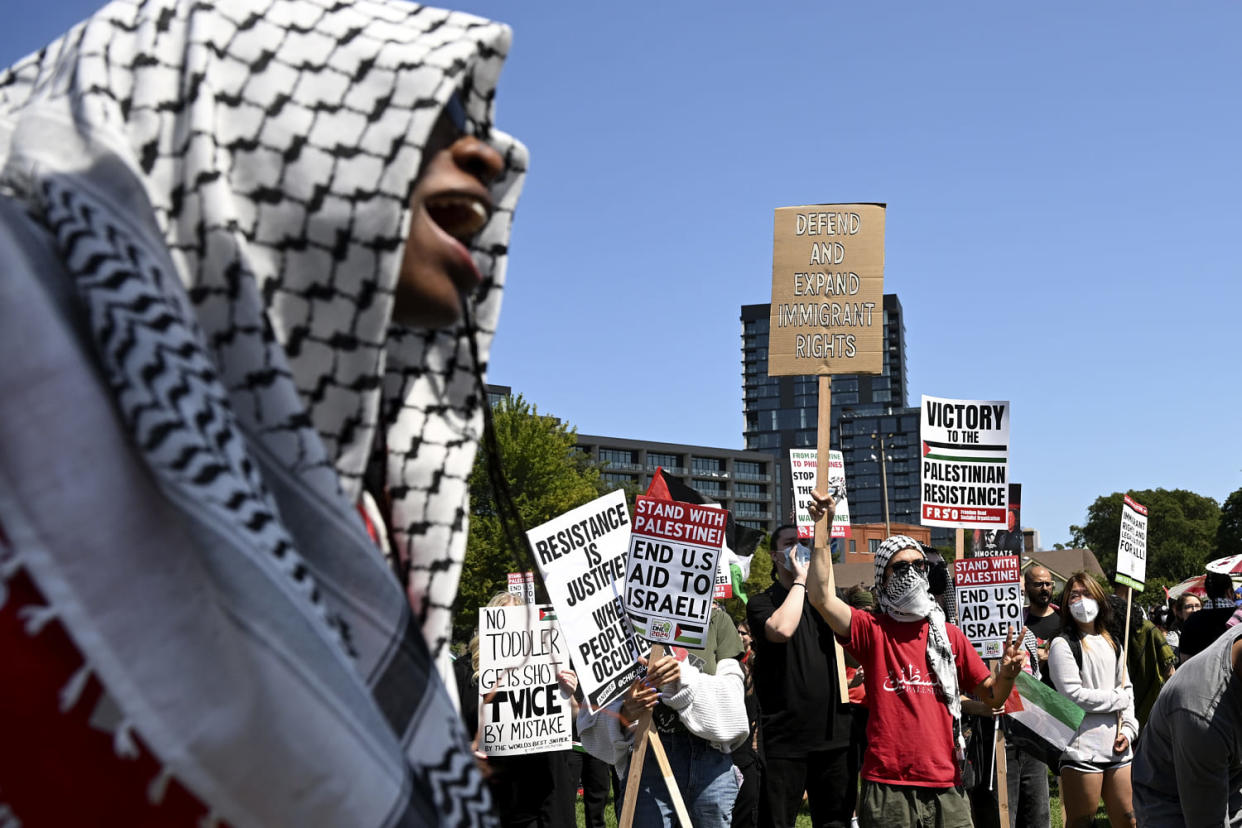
(1132, 546)
(522, 706)
(802, 466)
(989, 601)
(582, 557)
(827, 314)
(965, 463)
(670, 573)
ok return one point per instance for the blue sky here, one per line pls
(1062, 182)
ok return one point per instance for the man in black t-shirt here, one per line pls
(1042, 617)
(804, 729)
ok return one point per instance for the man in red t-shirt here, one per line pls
(915, 664)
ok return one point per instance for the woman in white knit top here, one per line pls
(1097, 760)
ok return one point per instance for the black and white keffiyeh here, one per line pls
(212, 198)
(906, 598)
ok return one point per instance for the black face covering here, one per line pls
(938, 579)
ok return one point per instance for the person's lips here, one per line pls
(461, 215)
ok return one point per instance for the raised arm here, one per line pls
(783, 623)
(820, 588)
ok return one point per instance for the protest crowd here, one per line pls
(254, 253)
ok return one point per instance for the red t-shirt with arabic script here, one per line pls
(909, 731)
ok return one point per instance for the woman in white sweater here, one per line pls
(1085, 665)
(699, 711)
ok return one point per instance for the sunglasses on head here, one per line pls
(455, 111)
(902, 567)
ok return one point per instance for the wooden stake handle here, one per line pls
(666, 770)
(633, 776)
(1121, 671)
(823, 527)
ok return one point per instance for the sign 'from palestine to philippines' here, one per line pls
(965, 463)
(802, 468)
(827, 314)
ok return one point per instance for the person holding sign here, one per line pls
(804, 728)
(1085, 665)
(915, 664)
(699, 710)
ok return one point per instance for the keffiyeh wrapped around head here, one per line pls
(905, 597)
(224, 187)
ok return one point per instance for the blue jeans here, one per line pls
(704, 776)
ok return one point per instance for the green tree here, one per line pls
(547, 476)
(1181, 531)
(1229, 533)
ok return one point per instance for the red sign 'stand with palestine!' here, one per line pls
(671, 569)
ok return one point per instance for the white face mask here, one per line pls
(1085, 610)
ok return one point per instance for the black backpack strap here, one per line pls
(1075, 645)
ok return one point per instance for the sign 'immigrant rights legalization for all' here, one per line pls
(670, 573)
(965, 464)
(827, 314)
(582, 557)
(1132, 545)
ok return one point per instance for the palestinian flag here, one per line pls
(1040, 720)
(740, 541)
(547, 614)
(964, 453)
(696, 634)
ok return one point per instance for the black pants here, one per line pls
(596, 776)
(746, 807)
(824, 776)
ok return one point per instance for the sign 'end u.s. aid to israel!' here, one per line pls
(670, 572)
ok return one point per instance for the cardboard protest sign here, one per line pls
(1007, 541)
(670, 572)
(1132, 546)
(522, 584)
(582, 557)
(989, 601)
(827, 313)
(522, 707)
(965, 463)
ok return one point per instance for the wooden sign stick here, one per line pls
(1121, 668)
(823, 528)
(1002, 773)
(666, 770)
(634, 775)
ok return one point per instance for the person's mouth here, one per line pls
(460, 215)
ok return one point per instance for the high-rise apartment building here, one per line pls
(780, 413)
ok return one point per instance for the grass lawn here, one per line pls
(804, 818)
